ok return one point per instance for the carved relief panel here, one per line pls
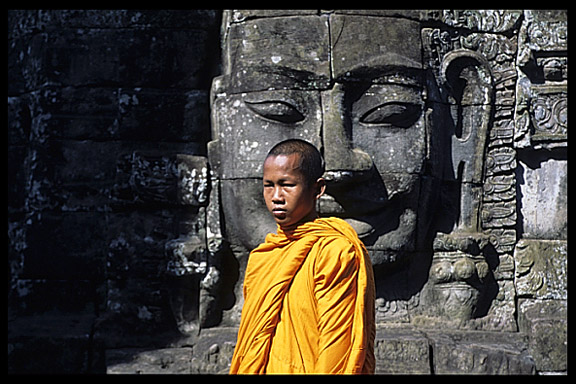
(402, 114)
(418, 115)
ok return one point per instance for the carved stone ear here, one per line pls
(467, 73)
(468, 81)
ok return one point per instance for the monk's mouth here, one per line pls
(279, 213)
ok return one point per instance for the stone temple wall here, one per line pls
(135, 143)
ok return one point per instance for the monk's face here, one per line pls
(288, 196)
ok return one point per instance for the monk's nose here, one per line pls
(277, 196)
(343, 161)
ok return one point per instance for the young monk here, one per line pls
(309, 289)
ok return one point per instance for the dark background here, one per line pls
(88, 92)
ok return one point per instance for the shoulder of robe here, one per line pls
(335, 251)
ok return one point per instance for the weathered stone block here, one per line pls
(21, 21)
(239, 15)
(499, 214)
(21, 64)
(19, 120)
(159, 177)
(75, 57)
(17, 172)
(70, 175)
(135, 243)
(401, 351)
(162, 115)
(82, 161)
(213, 350)
(546, 323)
(499, 160)
(549, 113)
(501, 315)
(250, 203)
(363, 44)
(487, 353)
(76, 113)
(127, 18)
(547, 30)
(157, 361)
(137, 313)
(483, 20)
(542, 269)
(119, 114)
(166, 58)
(544, 194)
(257, 50)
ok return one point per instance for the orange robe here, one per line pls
(308, 303)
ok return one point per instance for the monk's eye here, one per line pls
(280, 111)
(402, 115)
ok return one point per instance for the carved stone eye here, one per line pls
(276, 110)
(401, 115)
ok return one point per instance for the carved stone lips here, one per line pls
(360, 220)
(346, 176)
(362, 228)
(361, 206)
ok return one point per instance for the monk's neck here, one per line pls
(291, 228)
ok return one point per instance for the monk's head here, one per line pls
(293, 182)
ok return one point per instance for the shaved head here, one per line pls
(311, 163)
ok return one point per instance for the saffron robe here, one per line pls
(308, 303)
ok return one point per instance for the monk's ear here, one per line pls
(320, 187)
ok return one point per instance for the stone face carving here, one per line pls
(274, 90)
(363, 104)
(402, 114)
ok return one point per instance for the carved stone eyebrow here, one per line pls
(408, 75)
(414, 79)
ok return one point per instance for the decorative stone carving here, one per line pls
(457, 279)
(540, 39)
(541, 106)
(549, 112)
(541, 269)
(163, 178)
(410, 120)
(482, 20)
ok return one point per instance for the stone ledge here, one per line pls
(398, 349)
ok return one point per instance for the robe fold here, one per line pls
(308, 303)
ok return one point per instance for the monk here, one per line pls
(308, 289)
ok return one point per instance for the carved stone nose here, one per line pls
(343, 161)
